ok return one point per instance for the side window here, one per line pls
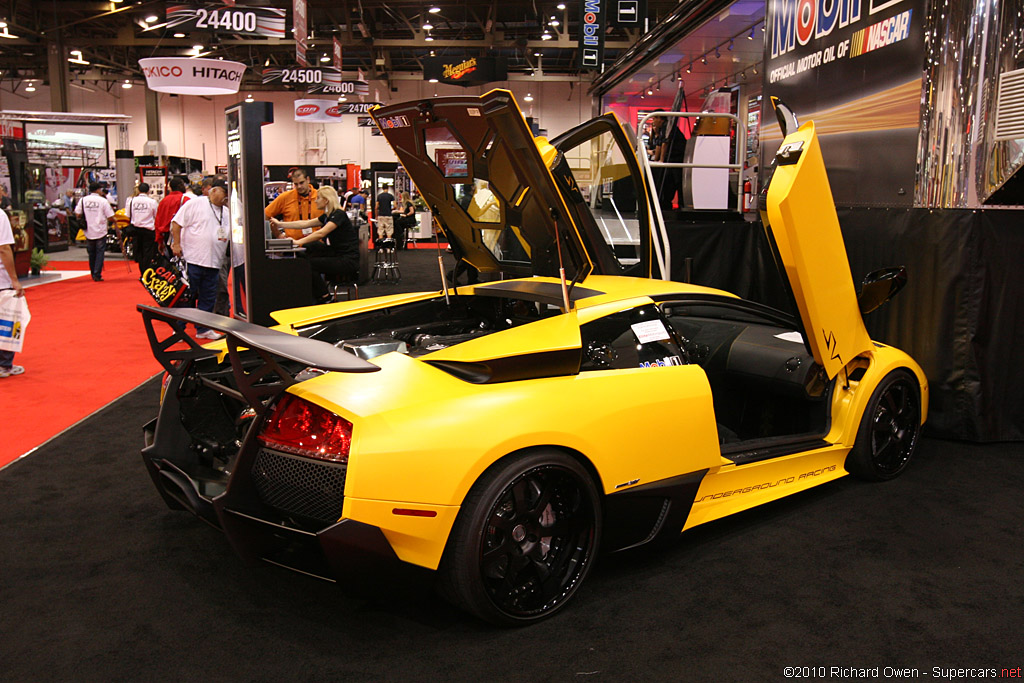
(607, 188)
(635, 338)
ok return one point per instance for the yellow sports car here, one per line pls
(502, 433)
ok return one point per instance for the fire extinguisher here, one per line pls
(748, 198)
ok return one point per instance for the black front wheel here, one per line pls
(524, 540)
(889, 430)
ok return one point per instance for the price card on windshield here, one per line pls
(650, 331)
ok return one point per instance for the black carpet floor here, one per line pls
(100, 582)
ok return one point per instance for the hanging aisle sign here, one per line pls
(301, 30)
(239, 20)
(302, 77)
(342, 88)
(329, 111)
(185, 76)
(592, 28)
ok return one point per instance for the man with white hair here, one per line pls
(201, 232)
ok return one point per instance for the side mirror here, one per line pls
(880, 286)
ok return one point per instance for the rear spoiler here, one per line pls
(255, 384)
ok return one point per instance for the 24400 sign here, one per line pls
(238, 20)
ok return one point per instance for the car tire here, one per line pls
(889, 429)
(525, 539)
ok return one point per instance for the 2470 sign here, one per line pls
(241, 20)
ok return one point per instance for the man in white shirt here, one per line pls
(200, 232)
(98, 215)
(141, 211)
(8, 280)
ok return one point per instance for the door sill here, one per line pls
(744, 453)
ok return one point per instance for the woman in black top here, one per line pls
(331, 242)
(405, 217)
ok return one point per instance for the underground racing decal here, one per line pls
(767, 484)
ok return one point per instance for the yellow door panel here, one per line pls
(802, 219)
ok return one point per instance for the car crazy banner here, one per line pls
(329, 111)
(592, 28)
(239, 20)
(184, 76)
(466, 71)
(302, 77)
(855, 67)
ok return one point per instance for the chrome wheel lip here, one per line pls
(562, 542)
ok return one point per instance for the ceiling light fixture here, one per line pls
(432, 80)
(560, 5)
(689, 68)
(427, 26)
(179, 35)
(718, 54)
(127, 85)
(3, 24)
(7, 34)
(528, 98)
(30, 88)
(731, 46)
(325, 58)
(545, 36)
(650, 92)
(429, 37)
(434, 10)
(751, 36)
(248, 98)
(197, 48)
(152, 19)
(704, 59)
(553, 22)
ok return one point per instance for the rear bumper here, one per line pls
(346, 550)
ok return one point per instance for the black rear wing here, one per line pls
(254, 384)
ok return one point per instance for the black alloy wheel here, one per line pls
(525, 539)
(889, 430)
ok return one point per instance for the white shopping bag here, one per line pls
(14, 317)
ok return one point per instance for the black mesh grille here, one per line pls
(300, 486)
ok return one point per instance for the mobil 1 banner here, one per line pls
(301, 77)
(593, 15)
(343, 88)
(222, 19)
(855, 67)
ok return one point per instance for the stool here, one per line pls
(335, 288)
(385, 269)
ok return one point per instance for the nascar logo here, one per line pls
(891, 30)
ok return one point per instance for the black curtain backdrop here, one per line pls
(960, 315)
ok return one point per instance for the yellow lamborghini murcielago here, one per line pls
(503, 433)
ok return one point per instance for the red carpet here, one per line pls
(84, 347)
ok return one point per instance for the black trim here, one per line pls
(543, 292)
(513, 368)
(770, 314)
(766, 449)
(650, 512)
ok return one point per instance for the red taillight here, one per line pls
(303, 428)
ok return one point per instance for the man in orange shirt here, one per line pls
(297, 204)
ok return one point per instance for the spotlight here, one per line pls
(731, 45)
(689, 68)
(751, 36)
(718, 55)
(704, 59)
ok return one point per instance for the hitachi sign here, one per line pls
(216, 73)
